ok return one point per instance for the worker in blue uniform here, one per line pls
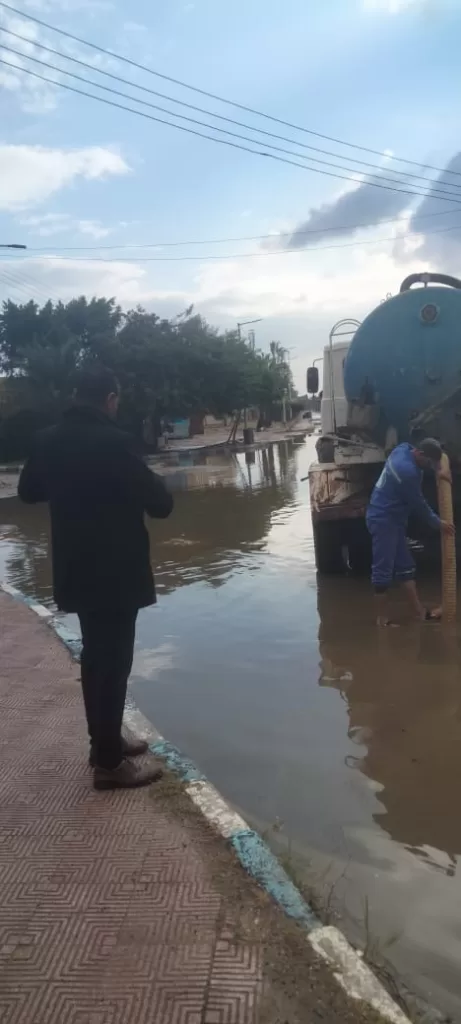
(396, 494)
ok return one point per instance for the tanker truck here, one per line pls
(394, 377)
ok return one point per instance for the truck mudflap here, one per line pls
(341, 492)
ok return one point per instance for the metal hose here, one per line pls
(445, 499)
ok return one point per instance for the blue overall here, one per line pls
(396, 494)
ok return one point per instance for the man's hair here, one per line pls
(94, 385)
(431, 448)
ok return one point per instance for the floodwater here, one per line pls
(343, 742)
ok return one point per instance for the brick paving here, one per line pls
(110, 907)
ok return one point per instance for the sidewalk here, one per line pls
(218, 437)
(125, 908)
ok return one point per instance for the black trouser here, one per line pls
(107, 657)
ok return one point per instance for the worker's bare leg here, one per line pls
(382, 608)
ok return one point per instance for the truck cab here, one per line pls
(341, 479)
(333, 408)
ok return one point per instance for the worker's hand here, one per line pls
(447, 528)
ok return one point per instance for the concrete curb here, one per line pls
(348, 967)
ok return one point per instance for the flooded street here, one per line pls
(343, 742)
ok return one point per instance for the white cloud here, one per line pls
(292, 285)
(389, 6)
(295, 284)
(134, 26)
(398, 6)
(30, 174)
(49, 224)
(34, 95)
(35, 6)
(50, 277)
(93, 228)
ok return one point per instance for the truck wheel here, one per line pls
(328, 546)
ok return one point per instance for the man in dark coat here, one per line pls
(98, 491)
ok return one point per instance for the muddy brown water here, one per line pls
(341, 742)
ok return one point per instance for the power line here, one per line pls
(215, 128)
(336, 229)
(12, 284)
(226, 256)
(224, 142)
(202, 110)
(214, 96)
(22, 279)
(23, 287)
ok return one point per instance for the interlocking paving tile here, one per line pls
(122, 908)
(235, 985)
(107, 911)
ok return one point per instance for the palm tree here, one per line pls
(277, 353)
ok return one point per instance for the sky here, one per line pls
(99, 194)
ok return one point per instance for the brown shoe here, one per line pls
(126, 776)
(132, 746)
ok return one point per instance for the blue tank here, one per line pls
(405, 358)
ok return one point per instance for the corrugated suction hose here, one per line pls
(445, 498)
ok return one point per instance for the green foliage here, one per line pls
(166, 367)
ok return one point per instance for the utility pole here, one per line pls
(246, 323)
(287, 352)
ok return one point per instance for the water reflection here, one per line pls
(223, 508)
(24, 549)
(403, 698)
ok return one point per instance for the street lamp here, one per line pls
(246, 323)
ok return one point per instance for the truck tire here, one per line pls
(328, 547)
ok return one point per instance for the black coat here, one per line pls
(98, 491)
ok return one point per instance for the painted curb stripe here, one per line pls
(70, 639)
(215, 809)
(175, 761)
(255, 856)
(259, 861)
(353, 974)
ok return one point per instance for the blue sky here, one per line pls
(73, 172)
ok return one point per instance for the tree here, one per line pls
(166, 367)
(50, 343)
